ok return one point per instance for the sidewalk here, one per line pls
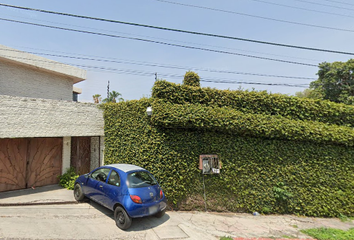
(244, 226)
(52, 194)
(175, 225)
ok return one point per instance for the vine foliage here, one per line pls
(279, 154)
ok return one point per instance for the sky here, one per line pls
(132, 56)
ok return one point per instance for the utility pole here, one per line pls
(108, 90)
(155, 76)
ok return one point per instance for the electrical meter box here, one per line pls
(209, 164)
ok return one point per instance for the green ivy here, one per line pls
(257, 103)
(270, 164)
(191, 79)
(196, 116)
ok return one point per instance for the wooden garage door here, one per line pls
(29, 162)
(44, 161)
(12, 164)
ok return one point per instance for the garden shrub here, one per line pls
(67, 180)
(257, 103)
(226, 120)
(191, 79)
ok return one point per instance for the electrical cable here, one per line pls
(159, 42)
(325, 5)
(304, 9)
(175, 30)
(102, 59)
(210, 80)
(350, 4)
(255, 16)
(184, 42)
(145, 73)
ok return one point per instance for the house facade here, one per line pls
(43, 131)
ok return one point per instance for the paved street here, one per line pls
(91, 221)
(51, 212)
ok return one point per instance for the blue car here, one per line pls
(128, 190)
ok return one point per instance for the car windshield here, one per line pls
(140, 179)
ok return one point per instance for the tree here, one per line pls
(336, 81)
(309, 93)
(97, 98)
(113, 96)
(191, 79)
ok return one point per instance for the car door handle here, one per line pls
(101, 186)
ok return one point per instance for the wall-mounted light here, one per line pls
(149, 111)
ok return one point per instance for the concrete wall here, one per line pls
(17, 80)
(39, 63)
(28, 117)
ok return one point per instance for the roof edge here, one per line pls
(41, 63)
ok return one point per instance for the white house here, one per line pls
(42, 130)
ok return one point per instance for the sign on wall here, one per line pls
(209, 164)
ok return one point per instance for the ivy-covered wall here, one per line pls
(257, 102)
(311, 175)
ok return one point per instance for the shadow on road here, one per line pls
(28, 191)
(138, 224)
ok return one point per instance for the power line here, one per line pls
(102, 59)
(145, 73)
(256, 16)
(162, 43)
(184, 42)
(211, 80)
(174, 30)
(304, 9)
(350, 4)
(322, 4)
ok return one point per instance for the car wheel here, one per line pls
(78, 194)
(123, 221)
(160, 214)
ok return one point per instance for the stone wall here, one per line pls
(22, 117)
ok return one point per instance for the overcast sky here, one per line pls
(130, 65)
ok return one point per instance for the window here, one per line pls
(75, 97)
(100, 174)
(140, 179)
(114, 179)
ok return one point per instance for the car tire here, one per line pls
(123, 221)
(78, 193)
(160, 214)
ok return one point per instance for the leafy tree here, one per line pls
(113, 97)
(336, 81)
(97, 98)
(191, 79)
(309, 93)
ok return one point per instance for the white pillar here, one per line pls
(95, 153)
(66, 154)
(101, 150)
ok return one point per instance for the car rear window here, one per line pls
(141, 179)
